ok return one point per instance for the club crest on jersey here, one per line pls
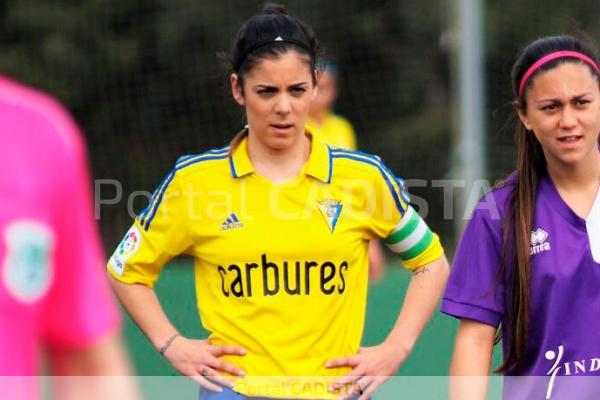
(330, 209)
(539, 242)
(128, 247)
(27, 271)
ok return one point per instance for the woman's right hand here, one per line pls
(201, 361)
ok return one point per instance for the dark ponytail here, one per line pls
(269, 35)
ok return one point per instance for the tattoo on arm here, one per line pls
(420, 271)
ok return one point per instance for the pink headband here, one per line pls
(553, 56)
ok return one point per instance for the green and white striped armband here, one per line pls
(411, 237)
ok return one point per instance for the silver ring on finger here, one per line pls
(360, 390)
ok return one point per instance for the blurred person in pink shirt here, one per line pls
(57, 316)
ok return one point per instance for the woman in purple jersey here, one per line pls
(529, 260)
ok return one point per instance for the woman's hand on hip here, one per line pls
(202, 362)
(371, 367)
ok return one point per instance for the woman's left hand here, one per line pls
(371, 367)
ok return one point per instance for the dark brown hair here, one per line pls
(531, 165)
(256, 40)
(259, 38)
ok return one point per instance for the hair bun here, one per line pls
(271, 8)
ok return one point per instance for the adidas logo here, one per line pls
(538, 242)
(231, 222)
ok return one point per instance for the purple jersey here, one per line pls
(564, 293)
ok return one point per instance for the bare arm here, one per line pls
(144, 308)
(197, 359)
(373, 365)
(376, 260)
(471, 360)
(422, 298)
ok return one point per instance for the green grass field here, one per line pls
(430, 357)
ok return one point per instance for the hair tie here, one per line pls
(553, 56)
(262, 43)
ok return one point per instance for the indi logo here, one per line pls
(586, 366)
(557, 358)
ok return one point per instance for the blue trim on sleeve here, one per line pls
(232, 166)
(182, 162)
(183, 158)
(403, 192)
(143, 214)
(330, 164)
(197, 160)
(158, 201)
(374, 161)
(189, 157)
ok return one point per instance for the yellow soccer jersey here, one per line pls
(280, 269)
(336, 131)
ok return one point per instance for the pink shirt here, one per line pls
(53, 293)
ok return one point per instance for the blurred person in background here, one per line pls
(337, 131)
(529, 260)
(57, 315)
(333, 129)
(278, 224)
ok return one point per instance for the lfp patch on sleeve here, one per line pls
(127, 248)
(27, 271)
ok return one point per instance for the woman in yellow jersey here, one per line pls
(278, 225)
